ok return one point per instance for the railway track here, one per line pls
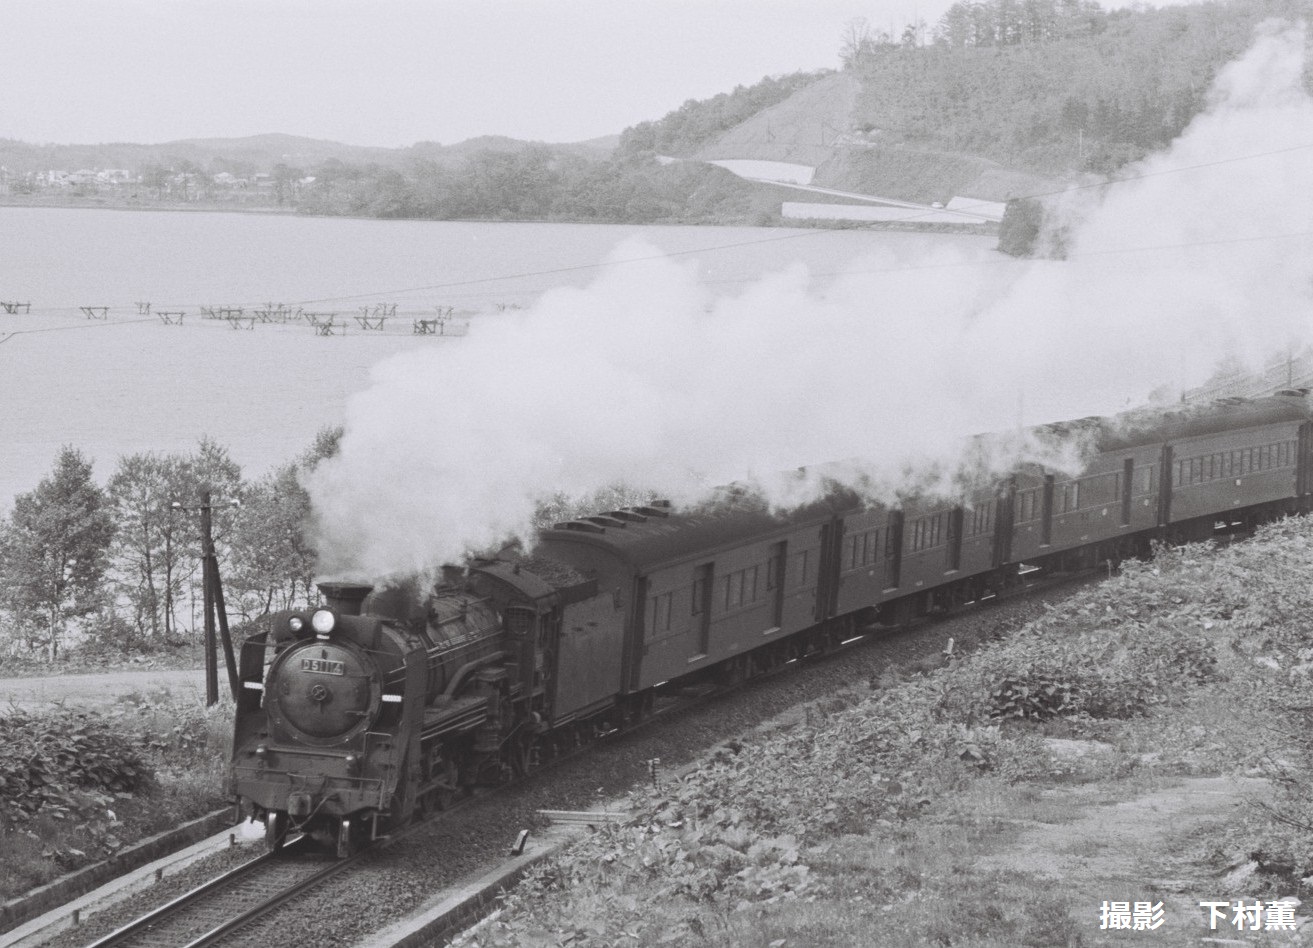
(224, 905)
(219, 909)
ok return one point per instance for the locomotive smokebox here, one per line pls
(346, 598)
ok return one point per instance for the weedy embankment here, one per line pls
(76, 786)
(1144, 741)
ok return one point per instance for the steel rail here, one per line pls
(152, 928)
(258, 911)
(120, 935)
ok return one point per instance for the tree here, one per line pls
(328, 441)
(913, 34)
(156, 554)
(185, 174)
(286, 178)
(273, 563)
(150, 542)
(155, 177)
(53, 550)
(210, 468)
(858, 42)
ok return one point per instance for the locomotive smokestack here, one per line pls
(346, 598)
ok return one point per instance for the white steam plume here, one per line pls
(646, 379)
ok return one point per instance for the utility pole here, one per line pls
(214, 607)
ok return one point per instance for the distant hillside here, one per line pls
(698, 123)
(1007, 99)
(258, 154)
(803, 128)
(255, 153)
(1000, 99)
(1074, 103)
(925, 176)
(265, 151)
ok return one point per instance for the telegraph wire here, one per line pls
(1018, 261)
(557, 270)
(98, 325)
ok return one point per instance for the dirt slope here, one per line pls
(813, 127)
(801, 129)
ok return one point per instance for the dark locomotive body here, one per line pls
(352, 718)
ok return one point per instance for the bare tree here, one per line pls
(857, 42)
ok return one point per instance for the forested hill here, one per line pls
(1053, 86)
(993, 99)
(998, 99)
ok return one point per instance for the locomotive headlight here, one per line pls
(295, 623)
(323, 621)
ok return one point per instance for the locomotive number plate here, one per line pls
(322, 666)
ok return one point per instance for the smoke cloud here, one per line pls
(647, 379)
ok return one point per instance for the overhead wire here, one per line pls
(94, 325)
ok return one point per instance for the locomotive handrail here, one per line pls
(453, 650)
(468, 669)
(309, 751)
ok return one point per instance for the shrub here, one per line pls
(46, 759)
(1033, 697)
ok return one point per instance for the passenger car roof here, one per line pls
(1149, 426)
(647, 537)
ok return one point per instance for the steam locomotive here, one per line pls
(377, 705)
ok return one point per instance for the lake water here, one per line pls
(128, 382)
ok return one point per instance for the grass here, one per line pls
(90, 659)
(67, 823)
(966, 808)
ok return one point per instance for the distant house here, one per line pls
(225, 180)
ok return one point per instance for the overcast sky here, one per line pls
(393, 72)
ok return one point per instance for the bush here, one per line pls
(1033, 697)
(46, 759)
